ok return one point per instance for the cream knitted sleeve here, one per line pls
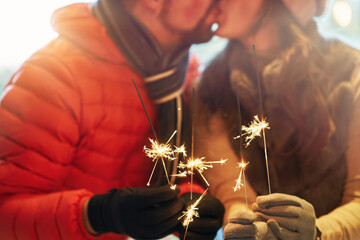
(344, 222)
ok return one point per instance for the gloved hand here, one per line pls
(295, 218)
(243, 225)
(211, 212)
(141, 213)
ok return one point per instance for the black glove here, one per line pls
(141, 213)
(211, 212)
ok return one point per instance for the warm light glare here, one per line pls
(342, 13)
(25, 28)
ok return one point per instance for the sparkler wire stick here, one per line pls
(163, 162)
(240, 124)
(152, 172)
(241, 145)
(160, 151)
(192, 142)
(262, 118)
(146, 112)
(246, 199)
(156, 138)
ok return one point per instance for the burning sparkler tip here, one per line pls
(254, 130)
(223, 161)
(243, 164)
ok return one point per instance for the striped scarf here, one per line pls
(163, 72)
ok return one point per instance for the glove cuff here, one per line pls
(99, 212)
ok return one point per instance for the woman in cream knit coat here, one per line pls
(310, 98)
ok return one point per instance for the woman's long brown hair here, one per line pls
(302, 86)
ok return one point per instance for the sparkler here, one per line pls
(200, 165)
(242, 165)
(192, 142)
(157, 151)
(255, 129)
(160, 151)
(262, 119)
(191, 212)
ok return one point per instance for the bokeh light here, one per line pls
(25, 27)
(342, 13)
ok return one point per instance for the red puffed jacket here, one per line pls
(71, 126)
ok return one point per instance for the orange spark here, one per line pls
(200, 165)
(160, 151)
(242, 165)
(254, 130)
(180, 150)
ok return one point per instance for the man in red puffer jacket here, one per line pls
(72, 125)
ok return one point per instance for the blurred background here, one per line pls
(25, 27)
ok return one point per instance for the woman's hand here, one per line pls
(294, 217)
(243, 225)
